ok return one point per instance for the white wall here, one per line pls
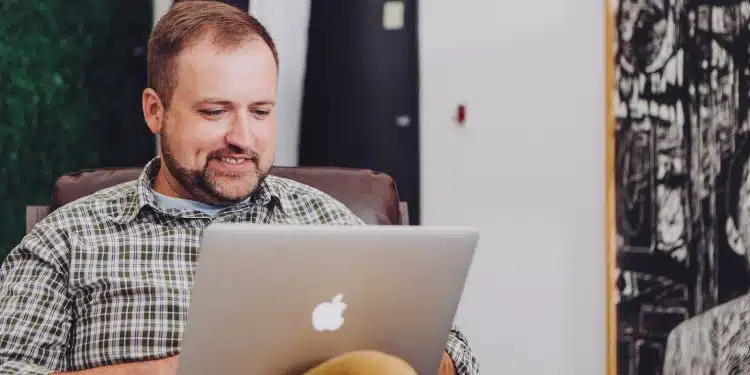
(160, 7)
(528, 169)
(287, 21)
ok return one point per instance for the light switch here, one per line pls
(393, 15)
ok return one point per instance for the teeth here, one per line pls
(672, 115)
(678, 66)
(657, 83)
(231, 160)
(664, 112)
(654, 109)
(642, 106)
(670, 72)
(621, 109)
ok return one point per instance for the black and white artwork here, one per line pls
(682, 192)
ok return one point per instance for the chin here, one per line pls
(235, 189)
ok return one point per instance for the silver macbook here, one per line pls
(278, 300)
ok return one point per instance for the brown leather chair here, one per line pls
(371, 195)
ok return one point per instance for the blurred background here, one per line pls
(72, 74)
(372, 84)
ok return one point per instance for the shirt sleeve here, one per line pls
(35, 317)
(461, 354)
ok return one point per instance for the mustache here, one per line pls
(234, 153)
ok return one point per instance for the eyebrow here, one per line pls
(264, 102)
(229, 102)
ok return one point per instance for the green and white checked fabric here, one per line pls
(107, 279)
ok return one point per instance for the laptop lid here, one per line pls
(281, 299)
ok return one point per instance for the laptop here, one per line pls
(279, 300)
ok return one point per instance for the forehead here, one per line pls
(243, 72)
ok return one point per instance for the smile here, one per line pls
(232, 165)
(233, 160)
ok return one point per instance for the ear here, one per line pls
(153, 110)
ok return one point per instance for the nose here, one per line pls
(240, 133)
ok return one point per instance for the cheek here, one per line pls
(265, 137)
(206, 138)
(192, 138)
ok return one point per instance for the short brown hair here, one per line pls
(187, 22)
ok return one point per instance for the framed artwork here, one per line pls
(678, 89)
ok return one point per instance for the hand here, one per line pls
(447, 367)
(166, 366)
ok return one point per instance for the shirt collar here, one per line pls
(267, 194)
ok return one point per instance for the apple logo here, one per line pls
(328, 315)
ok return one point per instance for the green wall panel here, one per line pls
(71, 74)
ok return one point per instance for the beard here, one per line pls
(207, 186)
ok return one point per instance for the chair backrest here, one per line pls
(371, 195)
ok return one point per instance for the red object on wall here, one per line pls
(461, 114)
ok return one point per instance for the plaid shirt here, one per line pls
(107, 279)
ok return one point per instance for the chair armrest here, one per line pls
(403, 208)
(35, 214)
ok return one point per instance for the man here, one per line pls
(716, 341)
(102, 285)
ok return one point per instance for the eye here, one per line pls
(261, 113)
(213, 112)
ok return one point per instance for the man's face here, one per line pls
(218, 134)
